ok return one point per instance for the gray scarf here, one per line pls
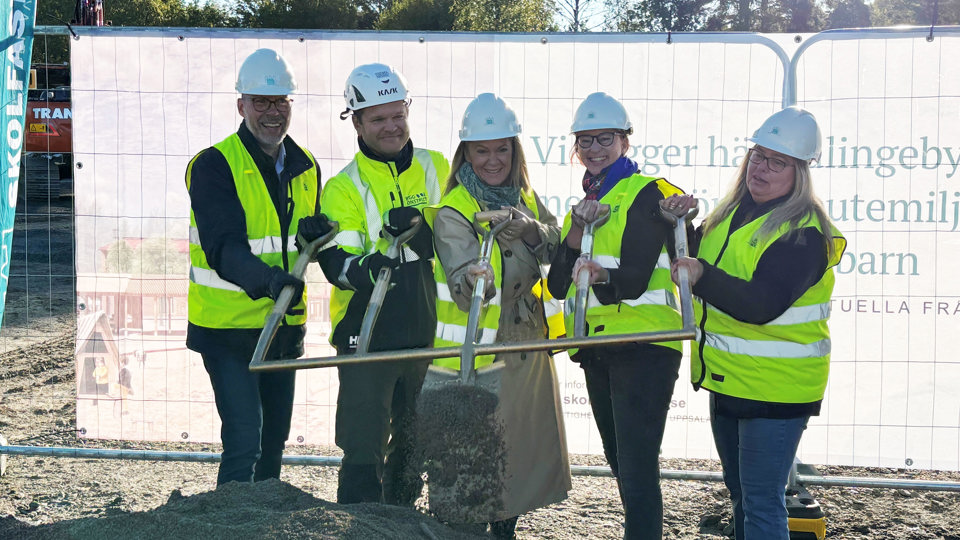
(495, 197)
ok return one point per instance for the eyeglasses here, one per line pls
(605, 139)
(773, 163)
(262, 104)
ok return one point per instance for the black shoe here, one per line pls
(504, 529)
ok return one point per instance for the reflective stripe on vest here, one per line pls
(451, 326)
(657, 308)
(214, 302)
(365, 192)
(785, 360)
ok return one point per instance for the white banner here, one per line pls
(146, 102)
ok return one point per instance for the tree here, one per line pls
(580, 15)
(660, 16)
(848, 14)
(327, 14)
(914, 12)
(417, 15)
(503, 15)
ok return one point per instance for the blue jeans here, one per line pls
(630, 390)
(756, 454)
(255, 411)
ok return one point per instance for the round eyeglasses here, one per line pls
(605, 139)
(775, 164)
(262, 104)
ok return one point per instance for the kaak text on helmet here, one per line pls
(792, 131)
(601, 111)
(488, 118)
(265, 73)
(373, 84)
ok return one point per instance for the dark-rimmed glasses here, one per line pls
(775, 164)
(262, 104)
(605, 139)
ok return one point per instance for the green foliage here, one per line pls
(503, 15)
(848, 14)
(417, 15)
(152, 256)
(323, 14)
(914, 12)
(660, 16)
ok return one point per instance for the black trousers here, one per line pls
(376, 411)
(630, 390)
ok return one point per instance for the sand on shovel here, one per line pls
(460, 446)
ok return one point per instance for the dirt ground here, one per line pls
(58, 497)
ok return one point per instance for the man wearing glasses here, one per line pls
(248, 194)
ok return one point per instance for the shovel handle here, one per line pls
(681, 247)
(583, 276)
(382, 285)
(272, 323)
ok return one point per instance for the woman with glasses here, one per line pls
(629, 385)
(764, 278)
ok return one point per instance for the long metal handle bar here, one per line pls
(682, 249)
(583, 277)
(687, 332)
(286, 296)
(382, 284)
(468, 371)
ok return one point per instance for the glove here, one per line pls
(398, 220)
(281, 279)
(363, 271)
(310, 228)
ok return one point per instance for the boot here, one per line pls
(358, 484)
(504, 529)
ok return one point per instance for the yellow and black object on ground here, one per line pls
(806, 520)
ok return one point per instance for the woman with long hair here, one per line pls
(763, 278)
(489, 172)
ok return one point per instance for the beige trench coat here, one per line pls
(537, 466)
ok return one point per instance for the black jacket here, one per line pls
(408, 316)
(221, 223)
(789, 267)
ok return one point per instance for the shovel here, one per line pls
(286, 295)
(680, 246)
(382, 284)
(488, 376)
(583, 277)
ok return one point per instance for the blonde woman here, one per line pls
(489, 172)
(763, 279)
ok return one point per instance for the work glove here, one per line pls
(398, 220)
(363, 271)
(310, 228)
(281, 279)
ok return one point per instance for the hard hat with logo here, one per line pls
(374, 84)
(488, 118)
(792, 131)
(601, 111)
(265, 73)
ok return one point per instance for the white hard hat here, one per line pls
(373, 84)
(265, 73)
(601, 111)
(488, 118)
(792, 131)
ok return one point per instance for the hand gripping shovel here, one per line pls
(286, 295)
(583, 277)
(383, 284)
(487, 377)
(680, 246)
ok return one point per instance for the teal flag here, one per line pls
(16, 45)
